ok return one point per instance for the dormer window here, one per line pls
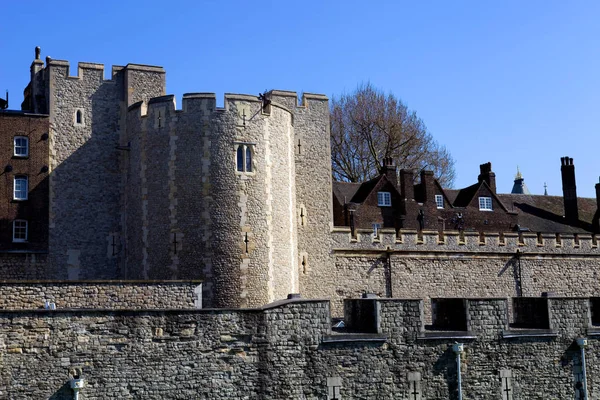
(21, 146)
(485, 204)
(384, 199)
(439, 201)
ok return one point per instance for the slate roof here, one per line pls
(344, 191)
(545, 213)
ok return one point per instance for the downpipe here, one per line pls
(582, 343)
(458, 348)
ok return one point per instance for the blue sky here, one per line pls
(511, 82)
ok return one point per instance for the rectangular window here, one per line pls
(439, 201)
(21, 146)
(384, 199)
(376, 228)
(19, 230)
(243, 157)
(485, 204)
(20, 188)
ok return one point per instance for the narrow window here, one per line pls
(20, 188)
(78, 118)
(376, 228)
(248, 159)
(21, 146)
(439, 201)
(19, 230)
(244, 157)
(240, 158)
(485, 204)
(384, 199)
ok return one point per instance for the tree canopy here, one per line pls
(368, 126)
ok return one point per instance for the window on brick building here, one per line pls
(376, 228)
(20, 188)
(485, 204)
(21, 148)
(243, 154)
(384, 199)
(439, 201)
(19, 230)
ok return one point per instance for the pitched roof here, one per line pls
(344, 191)
(546, 213)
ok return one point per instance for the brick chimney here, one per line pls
(486, 174)
(428, 186)
(567, 170)
(407, 189)
(389, 170)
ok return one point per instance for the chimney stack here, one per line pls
(407, 189)
(486, 174)
(389, 170)
(567, 170)
(427, 180)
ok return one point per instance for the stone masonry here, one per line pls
(287, 350)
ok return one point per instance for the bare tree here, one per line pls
(368, 126)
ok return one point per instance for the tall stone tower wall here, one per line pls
(192, 214)
(86, 121)
(314, 211)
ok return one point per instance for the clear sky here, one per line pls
(511, 82)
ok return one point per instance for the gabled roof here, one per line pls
(465, 196)
(366, 188)
(344, 191)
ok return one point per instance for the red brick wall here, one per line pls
(34, 166)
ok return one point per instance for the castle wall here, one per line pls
(114, 295)
(287, 351)
(488, 266)
(200, 216)
(85, 179)
(314, 210)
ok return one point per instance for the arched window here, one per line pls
(248, 159)
(240, 158)
(78, 117)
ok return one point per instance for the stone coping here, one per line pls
(524, 333)
(442, 335)
(97, 282)
(354, 337)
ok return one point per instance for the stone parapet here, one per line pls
(27, 295)
(464, 242)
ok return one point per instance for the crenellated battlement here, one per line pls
(206, 102)
(455, 241)
(85, 69)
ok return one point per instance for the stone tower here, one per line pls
(87, 115)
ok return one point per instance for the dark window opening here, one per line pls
(240, 158)
(530, 313)
(448, 315)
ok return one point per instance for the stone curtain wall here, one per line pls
(24, 295)
(450, 266)
(287, 351)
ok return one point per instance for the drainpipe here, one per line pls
(459, 348)
(582, 343)
(76, 385)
